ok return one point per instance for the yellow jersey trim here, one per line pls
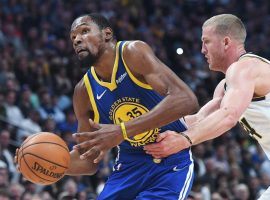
(110, 85)
(91, 97)
(133, 78)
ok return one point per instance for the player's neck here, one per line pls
(234, 56)
(104, 65)
(240, 51)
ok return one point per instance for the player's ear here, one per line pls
(108, 32)
(226, 42)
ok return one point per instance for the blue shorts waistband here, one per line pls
(141, 156)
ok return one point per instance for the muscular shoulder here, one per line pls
(242, 71)
(137, 51)
(244, 65)
(138, 56)
(242, 75)
(135, 47)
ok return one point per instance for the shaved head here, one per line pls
(228, 25)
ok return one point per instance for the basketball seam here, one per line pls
(22, 147)
(47, 143)
(31, 137)
(46, 160)
(37, 134)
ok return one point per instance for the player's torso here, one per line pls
(123, 99)
(256, 118)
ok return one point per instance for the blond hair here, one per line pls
(228, 24)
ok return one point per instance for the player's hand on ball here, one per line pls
(105, 137)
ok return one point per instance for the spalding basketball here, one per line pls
(43, 158)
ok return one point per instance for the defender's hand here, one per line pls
(100, 141)
(168, 143)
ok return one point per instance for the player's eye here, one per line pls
(72, 36)
(84, 31)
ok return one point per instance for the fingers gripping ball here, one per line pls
(43, 158)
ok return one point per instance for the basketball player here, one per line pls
(244, 94)
(131, 96)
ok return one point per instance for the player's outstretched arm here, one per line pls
(209, 107)
(206, 110)
(240, 81)
(171, 142)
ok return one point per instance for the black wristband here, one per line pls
(186, 136)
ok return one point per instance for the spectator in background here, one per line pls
(199, 165)
(4, 195)
(69, 190)
(28, 126)
(50, 126)
(27, 196)
(63, 88)
(3, 112)
(48, 109)
(23, 71)
(29, 187)
(241, 192)
(62, 81)
(16, 190)
(11, 85)
(4, 72)
(70, 124)
(5, 142)
(14, 114)
(216, 196)
(220, 159)
(25, 103)
(4, 175)
(45, 195)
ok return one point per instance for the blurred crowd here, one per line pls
(38, 71)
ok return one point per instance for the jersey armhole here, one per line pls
(133, 78)
(91, 97)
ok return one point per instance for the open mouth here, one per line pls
(78, 51)
(81, 52)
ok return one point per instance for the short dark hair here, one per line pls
(99, 19)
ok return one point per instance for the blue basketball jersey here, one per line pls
(123, 99)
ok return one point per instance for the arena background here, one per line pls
(38, 71)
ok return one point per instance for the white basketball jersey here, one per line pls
(256, 118)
